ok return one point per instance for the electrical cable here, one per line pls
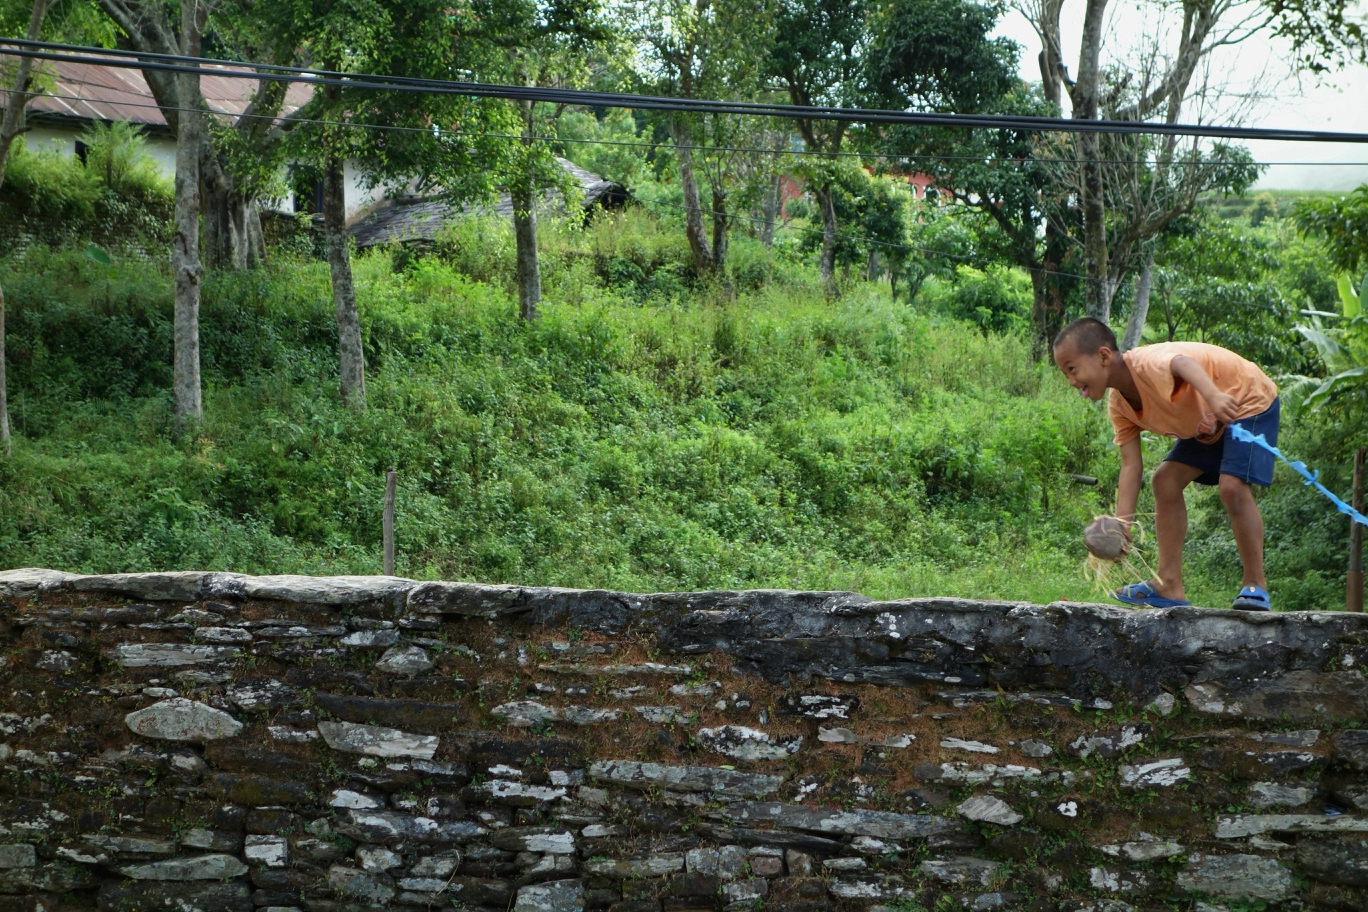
(644, 144)
(650, 202)
(176, 63)
(135, 60)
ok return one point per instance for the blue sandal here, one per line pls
(1143, 594)
(1251, 598)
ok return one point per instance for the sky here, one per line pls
(1338, 101)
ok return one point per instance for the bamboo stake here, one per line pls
(1353, 579)
(387, 521)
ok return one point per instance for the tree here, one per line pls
(1214, 281)
(13, 122)
(1160, 180)
(421, 142)
(1341, 224)
(1325, 34)
(243, 159)
(817, 56)
(702, 49)
(147, 25)
(538, 44)
(237, 160)
(876, 210)
(939, 56)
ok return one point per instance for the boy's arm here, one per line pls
(1222, 405)
(1128, 486)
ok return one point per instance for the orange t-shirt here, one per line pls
(1171, 406)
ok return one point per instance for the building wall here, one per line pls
(162, 149)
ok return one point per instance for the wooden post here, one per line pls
(1353, 580)
(387, 521)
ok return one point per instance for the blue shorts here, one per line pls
(1229, 456)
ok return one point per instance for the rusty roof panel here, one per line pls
(93, 92)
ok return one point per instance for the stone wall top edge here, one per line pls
(344, 591)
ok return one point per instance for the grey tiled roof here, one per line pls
(410, 219)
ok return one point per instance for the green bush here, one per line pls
(772, 439)
(117, 197)
(650, 431)
(996, 300)
(116, 157)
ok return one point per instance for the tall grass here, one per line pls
(643, 434)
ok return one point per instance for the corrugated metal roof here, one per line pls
(86, 91)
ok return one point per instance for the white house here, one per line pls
(80, 93)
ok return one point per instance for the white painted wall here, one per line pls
(162, 149)
(45, 139)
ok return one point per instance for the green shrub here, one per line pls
(690, 436)
(776, 438)
(117, 157)
(117, 197)
(995, 300)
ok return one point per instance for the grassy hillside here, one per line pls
(646, 433)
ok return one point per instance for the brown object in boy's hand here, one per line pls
(1105, 538)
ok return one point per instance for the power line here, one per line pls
(647, 145)
(176, 63)
(656, 202)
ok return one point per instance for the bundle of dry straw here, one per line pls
(1114, 558)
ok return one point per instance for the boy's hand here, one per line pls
(1223, 406)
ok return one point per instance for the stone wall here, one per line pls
(224, 743)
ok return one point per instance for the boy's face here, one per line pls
(1085, 373)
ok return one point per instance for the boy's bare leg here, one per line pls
(1247, 523)
(1170, 524)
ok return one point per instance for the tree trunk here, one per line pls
(693, 208)
(524, 198)
(4, 396)
(770, 210)
(12, 124)
(232, 223)
(350, 356)
(185, 261)
(1085, 97)
(17, 96)
(826, 262)
(1047, 298)
(1047, 311)
(1052, 71)
(871, 267)
(719, 228)
(523, 194)
(1136, 324)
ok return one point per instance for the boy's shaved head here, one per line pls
(1087, 336)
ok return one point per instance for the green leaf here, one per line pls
(98, 254)
(1348, 297)
(1329, 350)
(1333, 385)
(1363, 289)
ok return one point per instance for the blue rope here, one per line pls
(1300, 468)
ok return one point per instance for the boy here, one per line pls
(1191, 391)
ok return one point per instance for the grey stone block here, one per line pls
(179, 719)
(1236, 876)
